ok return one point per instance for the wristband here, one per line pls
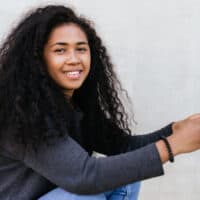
(171, 156)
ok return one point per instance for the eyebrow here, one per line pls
(65, 43)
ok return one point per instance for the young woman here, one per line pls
(58, 103)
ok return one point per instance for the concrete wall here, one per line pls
(155, 46)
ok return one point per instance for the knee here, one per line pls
(133, 190)
(134, 186)
(60, 194)
(57, 193)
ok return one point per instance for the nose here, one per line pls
(72, 58)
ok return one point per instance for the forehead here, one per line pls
(67, 33)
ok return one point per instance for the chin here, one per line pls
(74, 87)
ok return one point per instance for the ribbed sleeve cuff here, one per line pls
(167, 130)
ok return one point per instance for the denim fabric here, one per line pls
(127, 192)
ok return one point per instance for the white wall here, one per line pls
(155, 45)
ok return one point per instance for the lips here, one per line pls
(75, 74)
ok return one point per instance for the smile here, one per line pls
(73, 74)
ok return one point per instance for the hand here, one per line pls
(186, 135)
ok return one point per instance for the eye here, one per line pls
(82, 49)
(60, 51)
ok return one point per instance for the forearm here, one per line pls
(67, 165)
(139, 141)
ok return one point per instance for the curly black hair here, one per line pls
(28, 95)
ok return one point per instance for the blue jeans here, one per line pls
(127, 192)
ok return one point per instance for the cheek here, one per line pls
(54, 63)
(87, 61)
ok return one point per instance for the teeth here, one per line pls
(73, 72)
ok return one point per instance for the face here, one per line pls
(67, 56)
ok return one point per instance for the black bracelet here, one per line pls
(171, 156)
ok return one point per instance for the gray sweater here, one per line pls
(27, 175)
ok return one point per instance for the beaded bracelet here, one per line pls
(171, 156)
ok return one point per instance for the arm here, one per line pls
(66, 164)
(69, 166)
(138, 141)
(111, 140)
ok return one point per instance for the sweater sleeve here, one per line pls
(138, 141)
(68, 165)
(112, 140)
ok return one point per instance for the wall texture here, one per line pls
(155, 46)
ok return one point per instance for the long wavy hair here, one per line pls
(28, 95)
